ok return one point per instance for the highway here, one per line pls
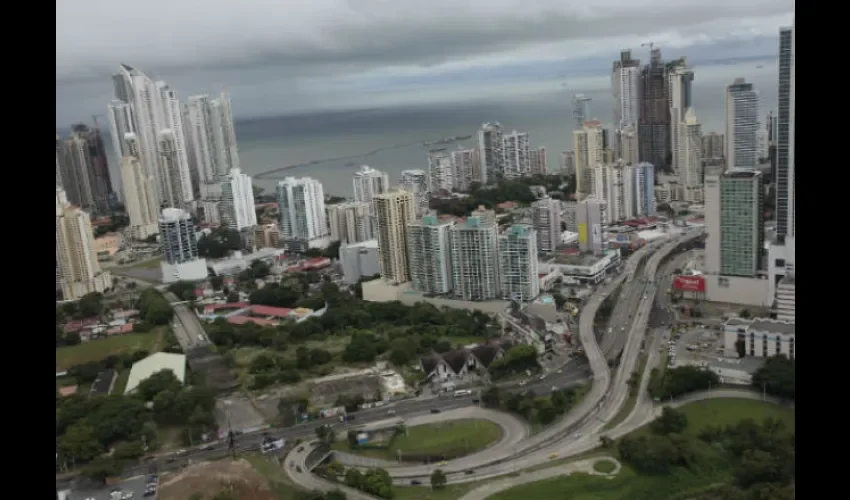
(599, 406)
(186, 325)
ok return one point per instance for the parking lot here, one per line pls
(695, 345)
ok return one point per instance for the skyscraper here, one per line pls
(441, 172)
(742, 124)
(588, 153)
(537, 161)
(515, 148)
(581, 110)
(416, 182)
(369, 182)
(615, 186)
(734, 222)
(78, 271)
(713, 146)
(394, 211)
(490, 154)
(783, 132)
(644, 189)
(625, 83)
(429, 254)
(519, 280)
(589, 219)
(152, 112)
(180, 260)
(546, 220)
(654, 125)
(465, 163)
(237, 205)
(628, 144)
(349, 222)
(680, 79)
(303, 220)
(475, 263)
(139, 198)
(689, 157)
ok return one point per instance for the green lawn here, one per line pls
(702, 414)
(95, 350)
(454, 438)
(450, 492)
(121, 382)
(145, 264)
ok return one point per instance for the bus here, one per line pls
(463, 392)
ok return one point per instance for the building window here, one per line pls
(779, 262)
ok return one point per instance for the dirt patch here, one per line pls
(210, 478)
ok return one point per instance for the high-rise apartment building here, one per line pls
(394, 211)
(581, 110)
(680, 79)
(588, 143)
(713, 146)
(77, 268)
(517, 162)
(546, 220)
(139, 198)
(518, 276)
(416, 182)
(568, 162)
(180, 260)
(616, 187)
(151, 112)
(644, 189)
(625, 84)
(783, 123)
(429, 253)
(589, 219)
(441, 172)
(267, 236)
(734, 222)
(212, 137)
(742, 124)
(689, 157)
(369, 182)
(628, 144)
(475, 263)
(84, 169)
(349, 222)
(791, 230)
(465, 163)
(654, 125)
(303, 220)
(237, 201)
(537, 161)
(490, 155)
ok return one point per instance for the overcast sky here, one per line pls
(286, 55)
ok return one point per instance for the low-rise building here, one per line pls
(584, 267)
(759, 337)
(359, 260)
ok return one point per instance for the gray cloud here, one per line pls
(342, 36)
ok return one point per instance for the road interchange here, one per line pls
(599, 406)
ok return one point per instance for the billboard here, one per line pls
(582, 233)
(689, 283)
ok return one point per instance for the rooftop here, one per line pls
(764, 325)
(277, 312)
(243, 320)
(154, 363)
(581, 259)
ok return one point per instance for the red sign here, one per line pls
(689, 283)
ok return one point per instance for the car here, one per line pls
(468, 472)
(559, 371)
(443, 463)
(435, 410)
(522, 384)
(298, 468)
(300, 449)
(415, 482)
(390, 412)
(476, 401)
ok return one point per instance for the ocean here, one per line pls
(331, 140)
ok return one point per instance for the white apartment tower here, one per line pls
(152, 112)
(465, 163)
(742, 124)
(625, 84)
(441, 172)
(537, 161)
(581, 110)
(628, 145)
(429, 253)
(369, 182)
(616, 183)
(180, 261)
(490, 155)
(689, 157)
(213, 140)
(517, 161)
(644, 189)
(588, 143)
(349, 222)
(680, 79)
(394, 211)
(77, 268)
(416, 182)
(518, 275)
(237, 201)
(139, 198)
(475, 264)
(303, 220)
(546, 219)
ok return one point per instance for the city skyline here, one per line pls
(283, 69)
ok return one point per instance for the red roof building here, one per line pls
(210, 309)
(268, 311)
(242, 320)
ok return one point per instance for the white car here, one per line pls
(521, 384)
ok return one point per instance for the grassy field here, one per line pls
(145, 264)
(453, 438)
(95, 350)
(279, 481)
(121, 382)
(629, 484)
(450, 492)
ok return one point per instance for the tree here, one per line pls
(216, 282)
(560, 300)
(79, 444)
(353, 478)
(91, 304)
(102, 468)
(438, 479)
(745, 313)
(163, 380)
(492, 397)
(777, 377)
(670, 421)
(72, 338)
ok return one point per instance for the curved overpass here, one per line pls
(600, 399)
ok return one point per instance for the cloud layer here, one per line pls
(323, 37)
